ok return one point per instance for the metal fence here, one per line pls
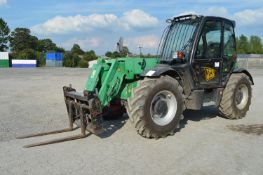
(250, 60)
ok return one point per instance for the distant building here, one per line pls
(24, 63)
(4, 59)
(54, 59)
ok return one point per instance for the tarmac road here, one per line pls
(31, 100)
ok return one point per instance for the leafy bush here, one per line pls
(83, 63)
(71, 60)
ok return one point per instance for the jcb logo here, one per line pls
(209, 73)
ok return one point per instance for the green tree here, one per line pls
(149, 56)
(255, 45)
(67, 60)
(4, 35)
(243, 45)
(83, 63)
(91, 52)
(41, 59)
(75, 60)
(109, 54)
(116, 54)
(30, 54)
(60, 49)
(21, 39)
(125, 51)
(90, 55)
(27, 54)
(26, 46)
(76, 50)
(71, 60)
(46, 45)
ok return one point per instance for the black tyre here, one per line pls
(236, 97)
(156, 106)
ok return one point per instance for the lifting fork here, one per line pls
(75, 110)
(82, 135)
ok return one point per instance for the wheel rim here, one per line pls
(163, 107)
(241, 96)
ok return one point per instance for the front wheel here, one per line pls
(236, 97)
(156, 106)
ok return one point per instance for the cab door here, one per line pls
(229, 52)
(208, 58)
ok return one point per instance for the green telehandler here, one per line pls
(197, 66)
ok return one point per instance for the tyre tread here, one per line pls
(134, 108)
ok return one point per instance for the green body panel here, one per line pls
(126, 90)
(4, 63)
(116, 78)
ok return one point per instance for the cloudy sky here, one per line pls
(98, 24)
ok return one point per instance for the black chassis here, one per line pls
(195, 96)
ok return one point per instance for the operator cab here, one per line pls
(204, 44)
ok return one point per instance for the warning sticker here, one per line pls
(209, 73)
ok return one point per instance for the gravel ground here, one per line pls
(31, 100)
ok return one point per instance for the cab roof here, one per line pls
(193, 17)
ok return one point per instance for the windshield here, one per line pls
(178, 37)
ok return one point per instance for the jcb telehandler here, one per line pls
(197, 66)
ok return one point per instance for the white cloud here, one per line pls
(130, 20)
(60, 25)
(137, 19)
(3, 2)
(87, 43)
(148, 41)
(217, 11)
(249, 17)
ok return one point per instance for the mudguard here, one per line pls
(242, 70)
(160, 69)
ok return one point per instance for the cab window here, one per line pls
(229, 47)
(210, 41)
(229, 41)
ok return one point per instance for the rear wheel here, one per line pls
(156, 106)
(236, 97)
